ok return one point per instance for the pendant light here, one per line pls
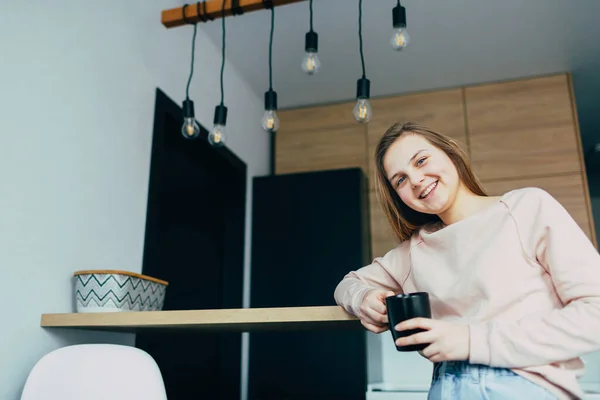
(190, 128)
(400, 38)
(270, 120)
(362, 110)
(311, 63)
(217, 136)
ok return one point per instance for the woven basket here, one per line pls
(115, 291)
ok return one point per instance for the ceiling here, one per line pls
(453, 43)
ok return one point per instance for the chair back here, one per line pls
(95, 372)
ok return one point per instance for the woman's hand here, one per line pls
(373, 310)
(447, 341)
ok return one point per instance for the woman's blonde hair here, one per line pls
(404, 220)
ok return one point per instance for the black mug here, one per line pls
(403, 307)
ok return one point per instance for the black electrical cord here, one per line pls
(311, 15)
(222, 51)
(208, 17)
(235, 8)
(187, 89)
(200, 14)
(271, 49)
(362, 57)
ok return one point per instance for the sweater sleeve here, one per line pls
(550, 236)
(384, 273)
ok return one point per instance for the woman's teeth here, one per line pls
(428, 190)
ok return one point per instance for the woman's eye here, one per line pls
(421, 160)
(400, 181)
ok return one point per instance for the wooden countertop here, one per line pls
(242, 320)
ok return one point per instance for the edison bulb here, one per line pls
(311, 63)
(217, 136)
(190, 128)
(362, 111)
(400, 39)
(270, 121)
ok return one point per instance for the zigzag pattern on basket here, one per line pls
(118, 291)
(137, 304)
(122, 281)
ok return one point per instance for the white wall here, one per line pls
(78, 80)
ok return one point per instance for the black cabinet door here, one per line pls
(308, 231)
(195, 241)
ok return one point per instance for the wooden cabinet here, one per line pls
(319, 138)
(383, 238)
(517, 133)
(522, 128)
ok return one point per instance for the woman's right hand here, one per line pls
(373, 311)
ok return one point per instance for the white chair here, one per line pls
(95, 372)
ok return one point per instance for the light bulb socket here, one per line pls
(270, 100)
(363, 88)
(311, 42)
(188, 108)
(220, 115)
(399, 17)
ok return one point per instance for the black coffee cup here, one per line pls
(403, 307)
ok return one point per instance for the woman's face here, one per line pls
(423, 175)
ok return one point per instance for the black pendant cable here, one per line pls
(270, 120)
(311, 62)
(190, 128)
(217, 136)
(362, 110)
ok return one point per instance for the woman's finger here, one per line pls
(415, 323)
(430, 351)
(368, 310)
(374, 328)
(378, 306)
(435, 358)
(418, 338)
(375, 317)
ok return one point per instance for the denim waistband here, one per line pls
(466, 368)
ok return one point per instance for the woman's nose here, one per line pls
(416, 179)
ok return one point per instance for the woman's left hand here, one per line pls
(448, 341)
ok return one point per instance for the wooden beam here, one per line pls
(173, 17)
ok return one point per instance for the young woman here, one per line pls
(514, 283)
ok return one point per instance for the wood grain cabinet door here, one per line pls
(319, 138)
(522, 128)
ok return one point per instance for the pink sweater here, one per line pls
(520, 273)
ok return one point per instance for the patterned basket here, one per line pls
(115, 291)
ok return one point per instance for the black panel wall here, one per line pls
(309, 230)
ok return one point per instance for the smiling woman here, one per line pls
(435, 163)
(514, 282)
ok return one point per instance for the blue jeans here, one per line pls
(454, 380)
